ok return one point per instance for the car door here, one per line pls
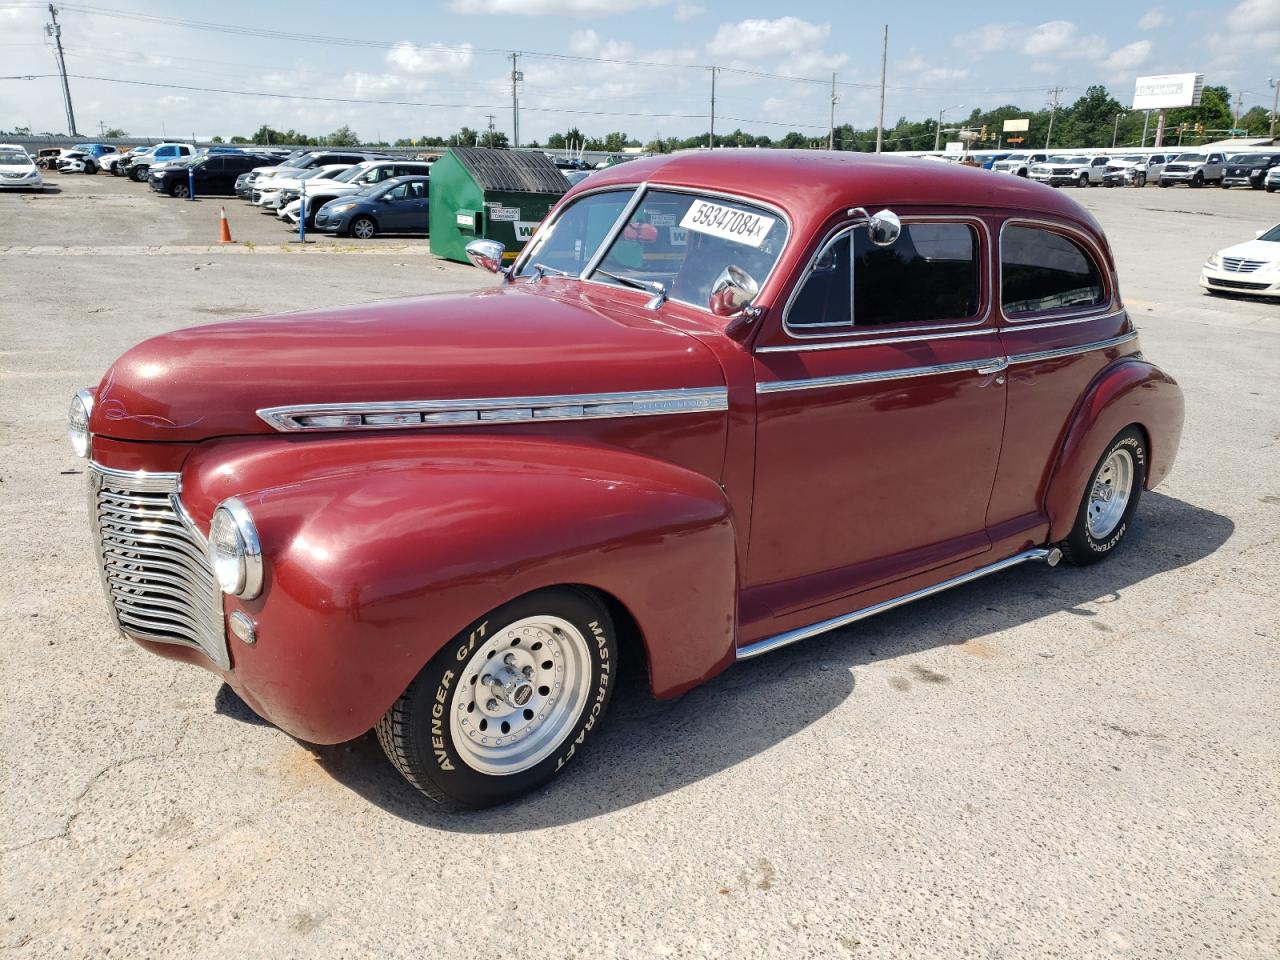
(417, 214)
(210, 174)
(394, 210)
(1097, 169)
(880, 410)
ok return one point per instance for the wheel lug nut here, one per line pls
(527, 671)
(509, 659)
(487, 679)
(492, 705)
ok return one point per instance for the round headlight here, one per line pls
(234, 550)
(78, 422)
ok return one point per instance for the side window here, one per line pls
(417, 189)
(1099, 161)
(214, 165)
(397, 193)
(930, 275)
(1041, 270)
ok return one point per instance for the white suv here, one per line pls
(1064, 168)
(1019, 164)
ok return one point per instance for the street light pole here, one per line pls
(1115, 130)
(937, 135)
(1274, 82)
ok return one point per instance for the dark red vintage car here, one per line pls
(714, 408)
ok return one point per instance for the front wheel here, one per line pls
(508, 702)
(1082, 180)
(363, 228)
(1197, 180)
(1112, 496)
(1225, 185)
(181, 191)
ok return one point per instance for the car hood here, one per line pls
(1265, 250)
(549, 339)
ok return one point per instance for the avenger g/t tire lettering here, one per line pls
(1109, 501)
(508, 702)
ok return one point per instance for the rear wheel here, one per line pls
(363, 228)
(1110, 500)
(508, 702)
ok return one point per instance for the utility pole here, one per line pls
(1239, 107)
(490, 116)
(711, 136)
(1115, 130)
(516, 76)
(831, 136)
(1274, 83)
(884, 54)
(1145, 121)
(1056, 92)
(55, 30)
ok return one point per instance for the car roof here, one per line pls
(810, 184)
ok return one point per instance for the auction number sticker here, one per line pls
(728, 223)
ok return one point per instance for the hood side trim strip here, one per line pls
(417, 414)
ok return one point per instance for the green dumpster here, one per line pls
(492, 194)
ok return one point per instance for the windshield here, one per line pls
(1191, 158)
(346, 176)
(1058, 159)
(1273, 235)
(9, 158)
(681, 241)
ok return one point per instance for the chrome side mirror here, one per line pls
(883, 228)
(486, 254)
(732, 292)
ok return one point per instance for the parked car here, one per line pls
(1146, 168)
(712, 409)
(1248, 170)
(17, 170)
(353, 180)
(47, 158)
(398, 205)
(272, 193)
(85, 156)
(1060, 170)
(315, 158)
(114, 163)
(1272, 182)
(212, 175)
(140, 165)
(1019, 164)
(1252, 267)
(1193, 169)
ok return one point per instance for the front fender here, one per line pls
(1129, 391)
(379, 550)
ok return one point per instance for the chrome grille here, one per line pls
(154, 565)
(1240, 264)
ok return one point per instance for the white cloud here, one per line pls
(687, 11)
(991, 38)
(762, 38)
(921, 69)
(1153, 19)
(434, 58)
(540, 8)
(1129, 57)
(1255, 15)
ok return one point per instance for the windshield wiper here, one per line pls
(653, 286)
(542, 270)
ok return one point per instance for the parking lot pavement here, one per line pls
(1066, 762)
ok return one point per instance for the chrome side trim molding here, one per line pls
(400, 415)
(985, 366)
(1071, 351)
(841, 380)
(1049, 555)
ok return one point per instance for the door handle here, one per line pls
(993, 366)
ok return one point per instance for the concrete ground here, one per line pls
(1048, 763)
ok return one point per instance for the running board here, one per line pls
(1049, 555)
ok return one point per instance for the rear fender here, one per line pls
(1129, 391)
(379, 550)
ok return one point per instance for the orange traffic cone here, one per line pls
(226, 228)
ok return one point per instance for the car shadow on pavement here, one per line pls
(649, 747)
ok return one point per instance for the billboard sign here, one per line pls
(1168, 90)
(1017, 126)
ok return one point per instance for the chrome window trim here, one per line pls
(984, 366)
(838, 344)
(1097, 310)
(1042, 324)
(849, 329)
(501, 410)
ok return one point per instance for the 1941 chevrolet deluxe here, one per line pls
(714, 407)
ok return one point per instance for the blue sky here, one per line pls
(451, 54)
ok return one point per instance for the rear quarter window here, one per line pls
(1043, 271)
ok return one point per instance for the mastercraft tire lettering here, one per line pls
(1109, 501)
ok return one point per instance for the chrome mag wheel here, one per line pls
(1109, 496)
(520, 695)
